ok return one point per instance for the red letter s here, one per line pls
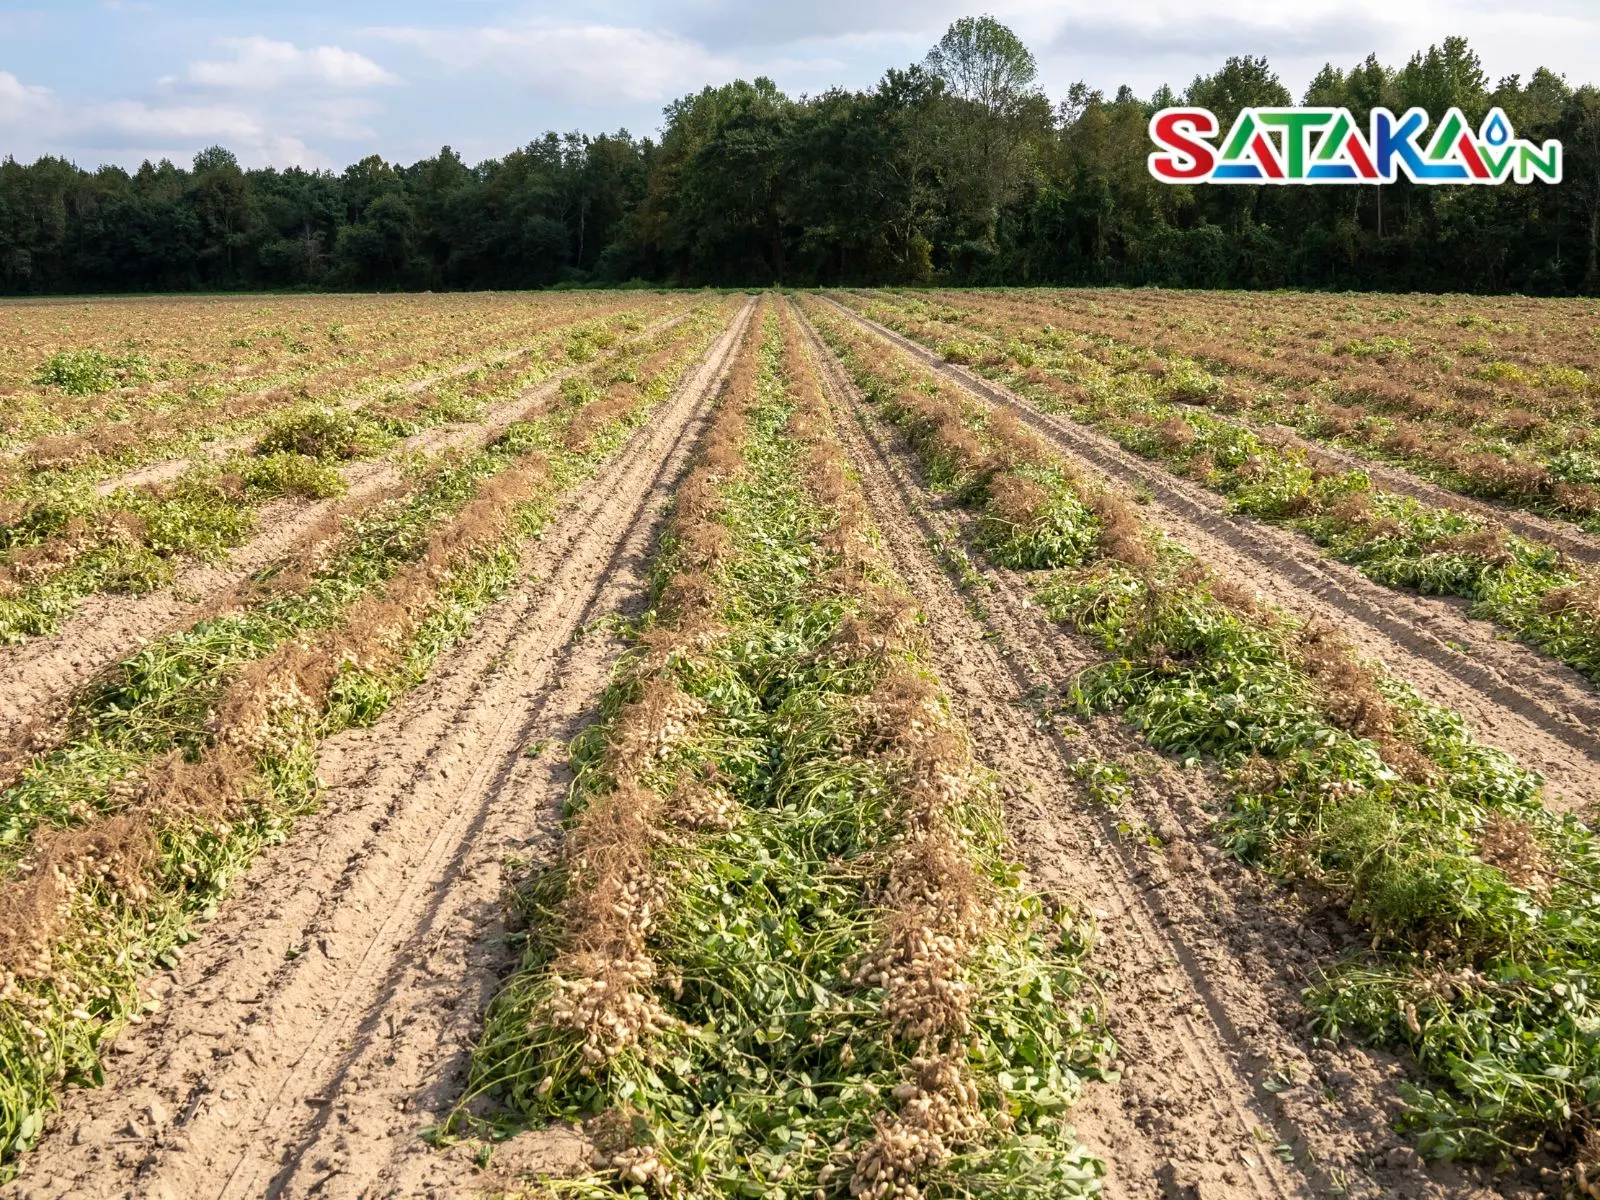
(1178, 131)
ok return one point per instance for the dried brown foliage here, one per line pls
(1520, 424)
(1122, 534)
(114, 854)
(1353, 511)
(1233, 595)
(1580, 498)
(1337, 420)
(1014, 444)
(596, 416)
(1500, 476)
(1408, 441)
(36, 904)
(888, 627)
(1174, 435)
(1201, 466)
(1581, 598)
(1489, 545)
(1352, 698)
(309, 555)
(1016, 501)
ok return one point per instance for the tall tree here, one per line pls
(953, 170)
(223, 201)
(989, 76)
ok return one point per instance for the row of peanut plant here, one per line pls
(70, 541)
(150, 364)
(1482, 952)
(782, 951)
(1516, 432)
(127, 822)
(1526, 587)
(202, 415)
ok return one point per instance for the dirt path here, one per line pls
(38, 677)
(1513, 697)
(1200, 963)
(326, 1016)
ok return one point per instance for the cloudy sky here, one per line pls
(321, 84)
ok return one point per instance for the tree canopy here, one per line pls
(957, 169)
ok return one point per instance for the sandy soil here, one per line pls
(1524, 702)
(1200, 962)
(326, 1016)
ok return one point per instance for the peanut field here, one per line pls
(850, 743)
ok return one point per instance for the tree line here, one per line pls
(954, 170)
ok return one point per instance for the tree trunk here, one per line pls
(1594, 243)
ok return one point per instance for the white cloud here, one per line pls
(283, 151)
(263, 104)
(1171, 41)
(93, 147)
(22, 101)
(262, 65)
(128, 130)
(271, 92)
(1139, 34)
(135, 119)
(613, 61)
(802, 66)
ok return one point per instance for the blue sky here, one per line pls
(319, 85)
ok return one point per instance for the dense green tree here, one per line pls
(1242, 83)
(956, 169)
(992, 115)
(222, 201)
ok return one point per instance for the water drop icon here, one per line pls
(1496, 130)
